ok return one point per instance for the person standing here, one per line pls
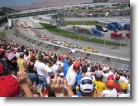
(124, 90)
(110, 91)
(22, 65)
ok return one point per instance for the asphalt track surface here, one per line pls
(119, 52)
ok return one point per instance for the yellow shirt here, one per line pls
(21, 64)
(99, 87)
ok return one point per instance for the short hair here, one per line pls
(40, 57)
(84, 69)
(70, 62)
(53, 60)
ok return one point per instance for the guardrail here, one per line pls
(79, 50)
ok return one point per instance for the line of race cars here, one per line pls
(64, 43)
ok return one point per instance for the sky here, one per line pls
(15, 2)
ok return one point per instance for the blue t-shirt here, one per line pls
(78, 78)
(65, 67)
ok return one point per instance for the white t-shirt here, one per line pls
(70, 68)
(109, 93)
(46, 71)
(26, 58)
(17, 54)
(71, 77)
(39, 66)
(124, 95)
(59, 63)
(105, 76)
(55, 68)
(123, 79)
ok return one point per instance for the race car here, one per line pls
(66, 45)
(101, 28)
(89, 49)
(115, 35)
(56, 42)
(73, 45)
(51, 38)
(46, 38)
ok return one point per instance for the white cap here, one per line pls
(86, 85)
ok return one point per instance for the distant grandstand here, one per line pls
(111, 1)
(56, 3)
(118, 1)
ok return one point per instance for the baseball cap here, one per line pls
(1, 68)
(76, 64)
(104, 69)
(86, 85)
(110, 77)
(98, 74)
(9, 86)
(110, 83)
(123, 86)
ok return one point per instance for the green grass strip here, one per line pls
(72, 35)
(80, 23)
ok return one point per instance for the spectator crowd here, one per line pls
(27, 72)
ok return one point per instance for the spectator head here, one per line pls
(21, 55)
(26, 52)
(110, 77)
(55, 57)
(110, 84)
(76, 65)
(32, 59)
(123, 87)
(18, 50)
(1, 69)
(92, 69)
(51, 92)
(98, 75)
(9, 86)
(104, 69)
(70, 62)
(84, 68)
(120, 72)
(39, 53)
(62, 58)
(100, 68)
(40, 58)
(117, 77)
(33, 51)
(53, 61)
(86, 86)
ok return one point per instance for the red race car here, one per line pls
(45, 38)
(117, 36)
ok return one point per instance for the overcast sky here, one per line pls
(15, 2)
